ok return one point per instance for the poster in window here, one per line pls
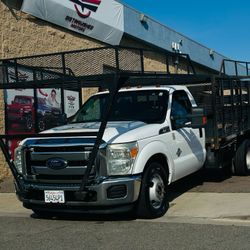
(19, 106)
(19, 103)
(49, 110)
(71, 102)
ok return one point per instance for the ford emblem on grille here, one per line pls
(56, 163)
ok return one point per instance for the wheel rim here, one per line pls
(248, 159)
(41, 125)
(156, 191)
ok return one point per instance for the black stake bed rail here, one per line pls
(113, 68)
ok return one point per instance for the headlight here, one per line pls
(121, 158)
(18, 160)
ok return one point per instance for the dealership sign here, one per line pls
(90, 5)
(100, 19)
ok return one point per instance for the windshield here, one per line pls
(22, 100)
(149, 106)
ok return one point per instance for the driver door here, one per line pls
(187, 143)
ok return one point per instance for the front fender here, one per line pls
(151, 149)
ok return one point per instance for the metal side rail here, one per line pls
(235, 68)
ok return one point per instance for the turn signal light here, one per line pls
(133, 152)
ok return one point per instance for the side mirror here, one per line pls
(198, 118)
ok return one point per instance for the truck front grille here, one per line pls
(77, 157)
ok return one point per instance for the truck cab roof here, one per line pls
(169, 88)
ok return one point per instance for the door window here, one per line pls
(181, 107)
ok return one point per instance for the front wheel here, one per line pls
(153, 201)
(41, 124)
(28, 123)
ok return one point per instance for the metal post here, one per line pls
(81, 194)
(232, 102)
(191, 64)
(35, 104)
(215, 120)
(63, 83)
(236, 68)
(167, 63)
(222, 105)
(117, 59)
(16, 71)
(223, 68)
(241, 124)
(142, 60)
(188, 69)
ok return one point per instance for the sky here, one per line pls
(222, 25)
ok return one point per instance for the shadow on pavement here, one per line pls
(98, 218)
(205, 180)
(202, 181)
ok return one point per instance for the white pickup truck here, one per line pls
(149, 142)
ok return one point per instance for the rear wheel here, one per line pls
(153, 201)
(242, 159)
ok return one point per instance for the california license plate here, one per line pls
(51, 196)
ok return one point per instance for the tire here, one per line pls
(28, 123)
(153, 201)
(41, 124)
(242, 159)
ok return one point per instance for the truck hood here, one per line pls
(115, 132)
(15, 106)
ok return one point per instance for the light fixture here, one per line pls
(211, 53)
(176, 46)
(143, 18)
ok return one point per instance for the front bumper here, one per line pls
(111, 192)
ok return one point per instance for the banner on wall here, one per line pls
(100, 19)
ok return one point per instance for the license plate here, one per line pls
(51, 196)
